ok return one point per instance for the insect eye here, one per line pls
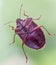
(17, 21)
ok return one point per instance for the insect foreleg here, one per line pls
(13, 28)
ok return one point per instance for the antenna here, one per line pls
(20, 10)
(19, 16)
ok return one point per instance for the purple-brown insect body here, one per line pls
(36, 39)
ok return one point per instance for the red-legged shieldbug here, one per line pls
(30, 33)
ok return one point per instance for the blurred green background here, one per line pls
(9, 11)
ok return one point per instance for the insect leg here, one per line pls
(44, 28)
(13, 39)
(34, 19)
(26, 15)
(15, 36)
(24, 51)
(38, 18)
(28, 24)
(26, 18)
(13, 28)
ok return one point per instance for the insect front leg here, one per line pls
(44, 28)
(13, 28)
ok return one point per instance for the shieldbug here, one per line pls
(30, 33)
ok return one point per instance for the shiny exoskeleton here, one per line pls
(30, 33)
